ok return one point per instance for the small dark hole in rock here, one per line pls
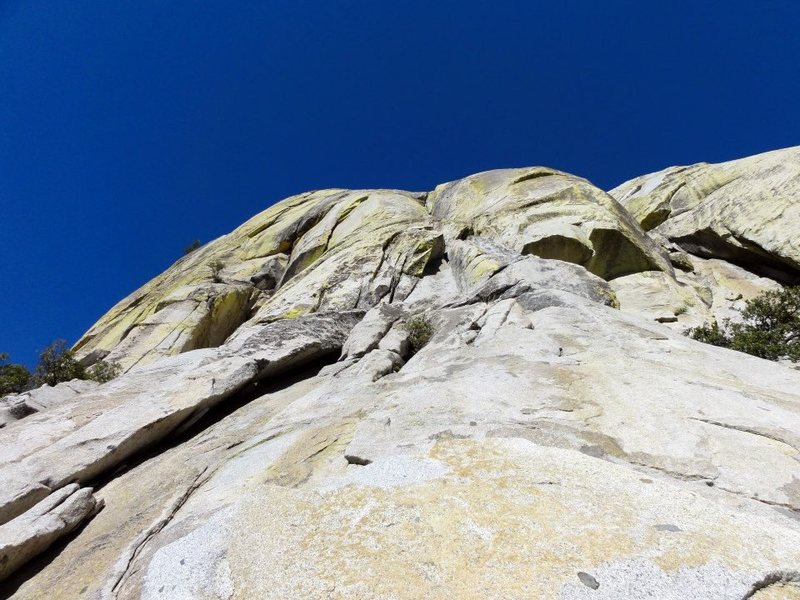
(588, 580)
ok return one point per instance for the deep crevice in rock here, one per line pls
(536, 175)
(191, 427)
(706, 243)
(770, 579)
(198, 423)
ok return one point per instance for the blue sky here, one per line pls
(130, 128)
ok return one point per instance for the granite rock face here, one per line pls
(549, 214)
(341, 250)
(275, 435)
(744, 211)
(18, 406)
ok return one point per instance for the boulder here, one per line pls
(745, 211)
(54, 517)
(548, 213)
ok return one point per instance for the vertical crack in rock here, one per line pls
(123, 567)
(751, 430)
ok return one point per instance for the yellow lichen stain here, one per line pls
(486, 530)
(483, 269)
(496, 525)
(311, 448)
(422, 252)
(294, 313)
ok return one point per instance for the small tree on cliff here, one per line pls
(770, 327)
(192, 247)
(13, 378)
(57, 364)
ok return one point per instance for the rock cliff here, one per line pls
(281, 431)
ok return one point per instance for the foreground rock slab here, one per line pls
(97, 432)
(54, 517)
(533, 439)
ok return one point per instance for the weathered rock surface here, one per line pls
(363, 246)
(714, 291)
(19, 406)
(100, 430)
(543, 444)
(506, 461)
(550, 214)
(341, 249)
(745, 211)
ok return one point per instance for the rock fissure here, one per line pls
(118, 581)
(752, 431)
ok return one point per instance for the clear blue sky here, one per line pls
(130, 128)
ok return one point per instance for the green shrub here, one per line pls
(103, 372)
(419, 332)
(192, 247)
(770, 327)
(710, 333)
(57, 364)
(216, 267)
(13, 378)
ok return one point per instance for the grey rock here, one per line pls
(588, 580)
(368, 333)
(396, 340)
(33, 532)
(744, 211)
(134, 411)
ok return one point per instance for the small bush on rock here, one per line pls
(419, 333)
(192, 247)
(770, 327)
(13, 378)
(711, 333)
(216, 267)
(103, 372)
(56, 364)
